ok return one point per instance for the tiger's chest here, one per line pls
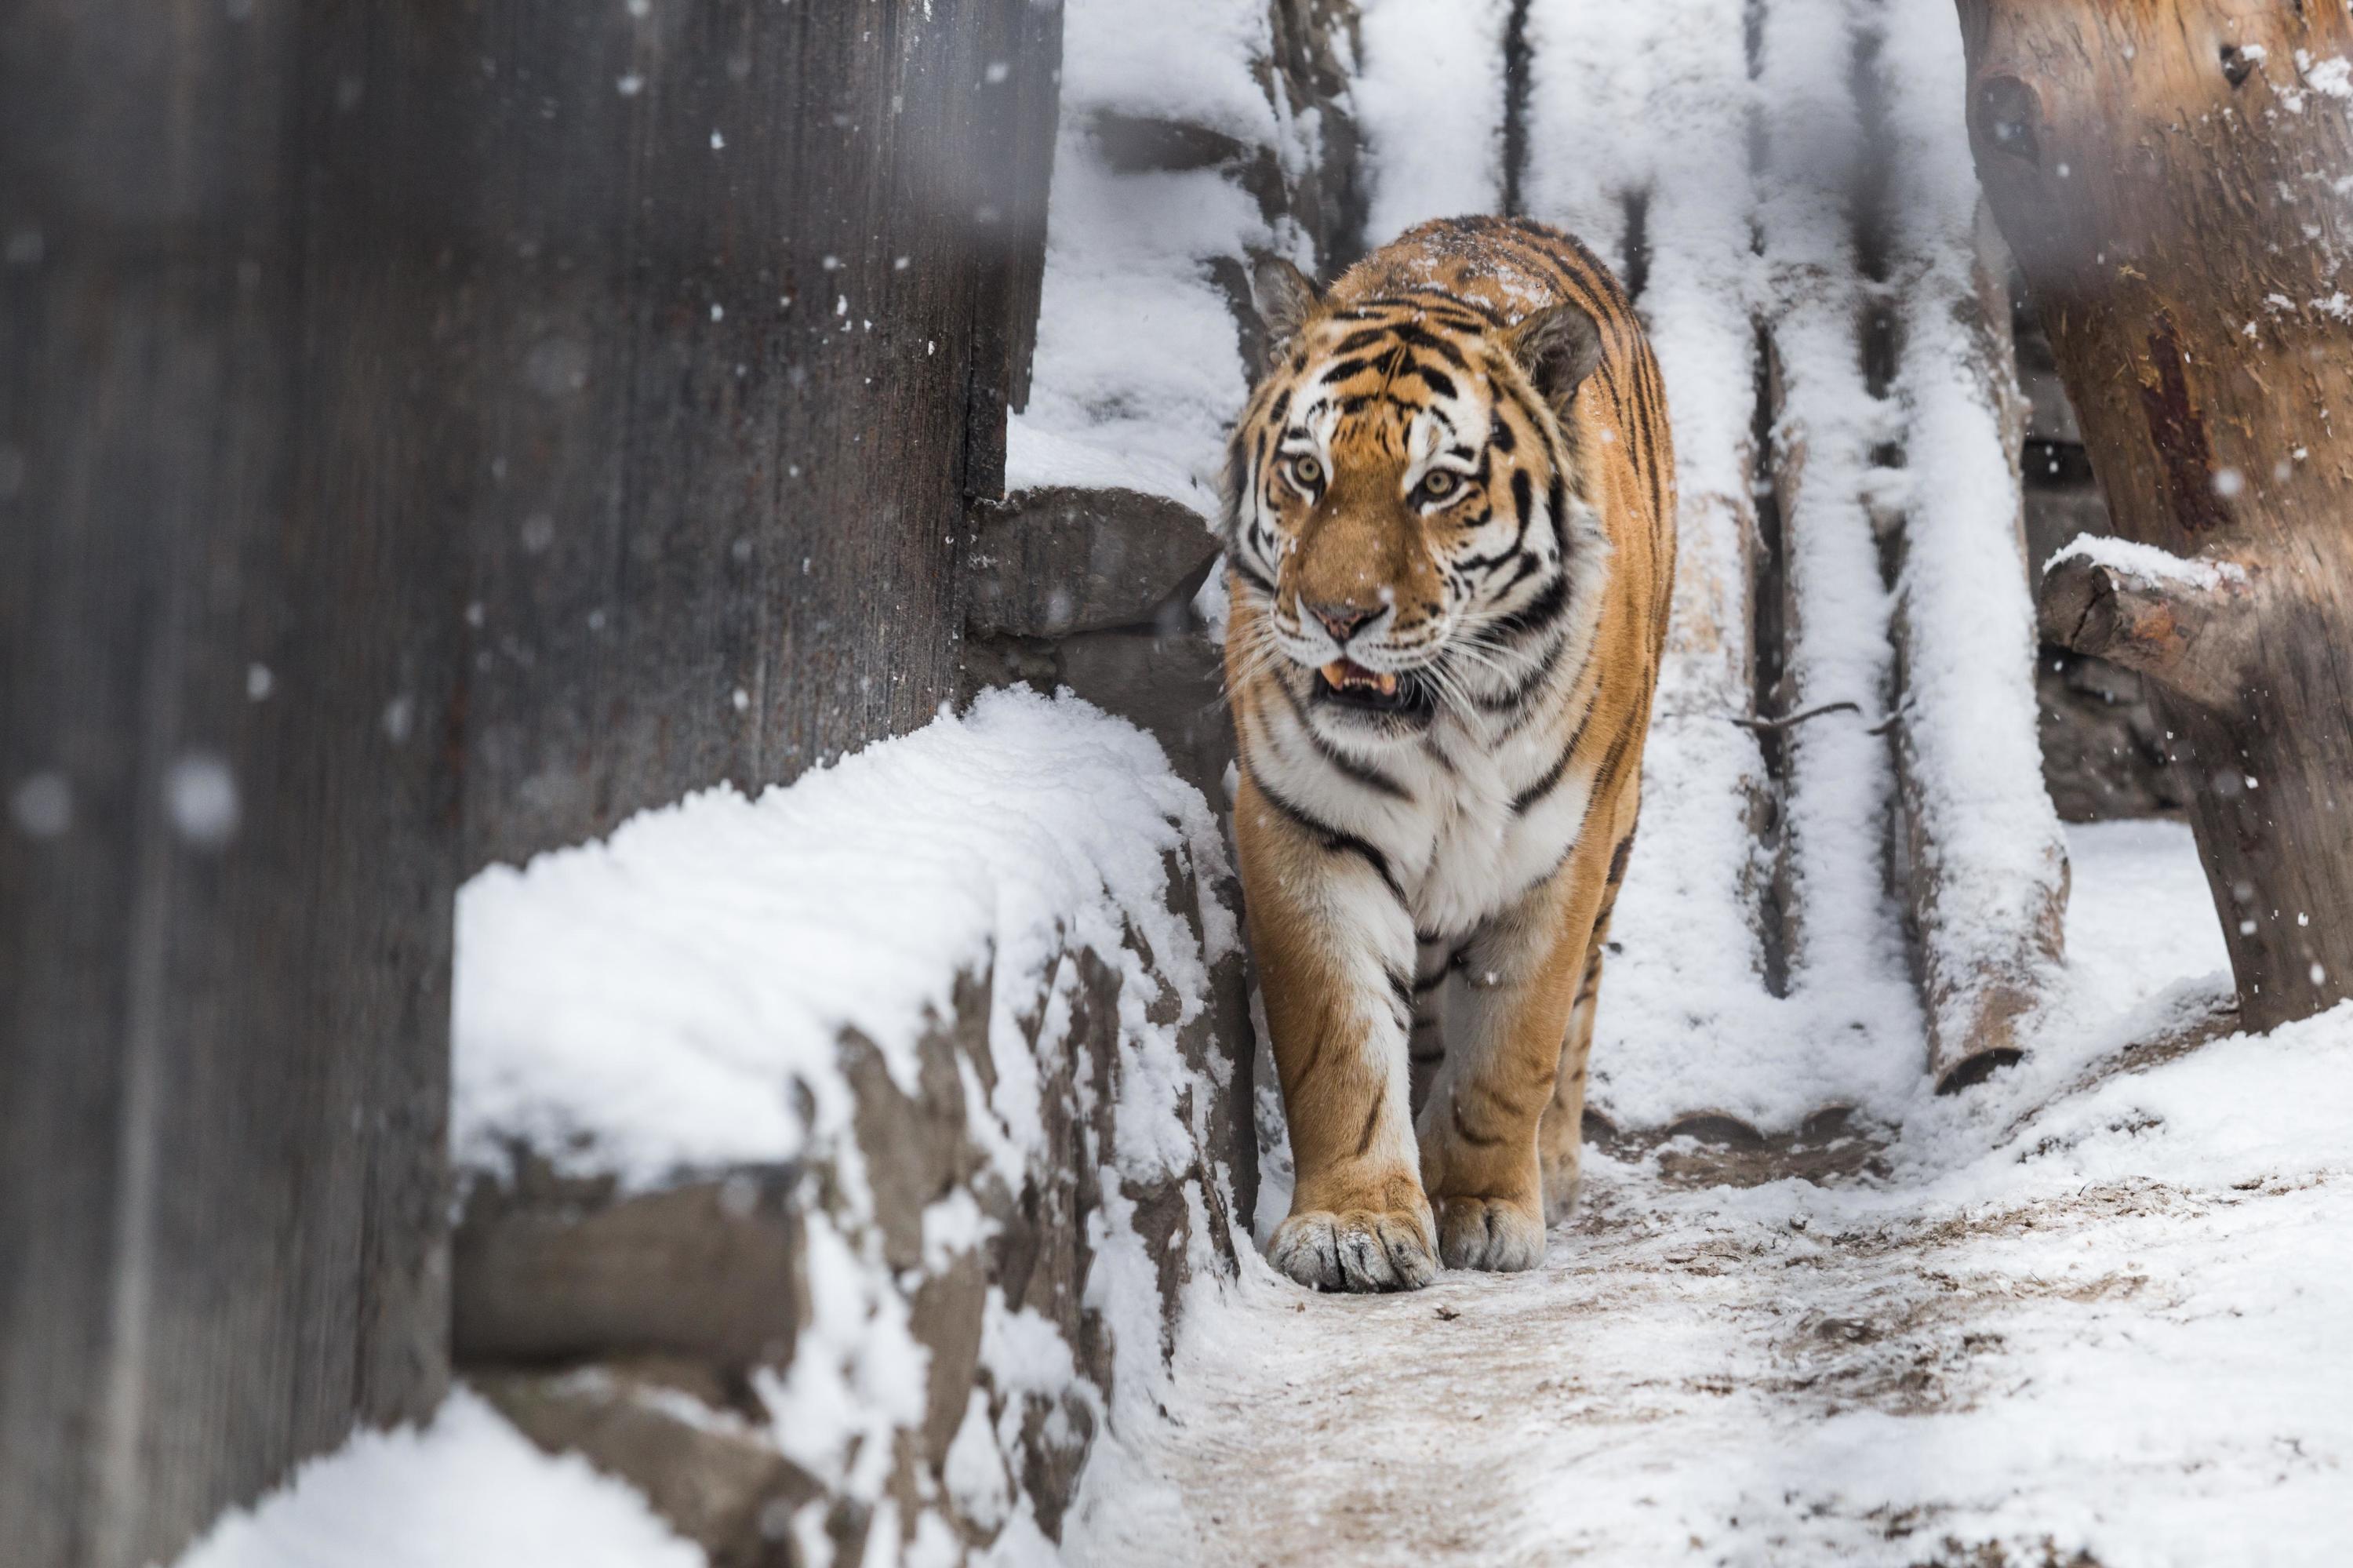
(1495, 819)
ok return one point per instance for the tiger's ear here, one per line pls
(1559, 347)
(1286, 301)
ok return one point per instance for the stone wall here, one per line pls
(886, 1334)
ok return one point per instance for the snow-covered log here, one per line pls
(2189, 624)
(2171, 177)
(1984, 866)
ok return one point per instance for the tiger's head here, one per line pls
(1406, 512)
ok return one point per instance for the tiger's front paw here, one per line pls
(1493, 1234)
(1357, 1249)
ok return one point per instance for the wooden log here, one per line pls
(2191, 630)
(230, 615)
(2164, 171)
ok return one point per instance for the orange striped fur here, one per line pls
(1450, 548)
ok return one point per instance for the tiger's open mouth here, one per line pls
(1346, 675)
(1350, 684)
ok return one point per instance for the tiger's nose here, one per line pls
(1342, 621)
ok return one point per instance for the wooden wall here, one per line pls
(417, 423)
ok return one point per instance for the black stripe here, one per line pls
(1334, 839)
(1654, 397)
(1557, 496)
(1527, 687)
(1476, 1140)
(1372, 1121)
(1371, 777)
(1499, 434)
(1553, 775)
(1617, 860)
(1539, 612)
(1401, 984)
(1482, 565)
(1606, 778)
(1438, 381)
(1252, 575)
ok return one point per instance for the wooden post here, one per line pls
(2165, 171)
(230, 612)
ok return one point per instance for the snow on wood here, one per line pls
(1137, 369)
(999, 939)
(465, 1491)
(1988, 871)
(641, 1007)
(1677, 1030)
(1852, 1000)
(1429, 100)
(2149, 563)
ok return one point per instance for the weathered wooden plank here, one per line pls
(749, 288)
(228, 616)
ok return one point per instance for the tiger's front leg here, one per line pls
(1479, 1159)
(1335, 951)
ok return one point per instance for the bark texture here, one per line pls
(2166, 172)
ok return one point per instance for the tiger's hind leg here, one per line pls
(1560, 1139)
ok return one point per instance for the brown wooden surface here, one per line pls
(2174, 215)
(223, 1057)
(738, 394)
(376, 345)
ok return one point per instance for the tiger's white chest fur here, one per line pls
(1482, 807)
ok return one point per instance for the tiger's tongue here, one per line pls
(1348, 673)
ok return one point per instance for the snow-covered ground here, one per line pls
(2091, 1307)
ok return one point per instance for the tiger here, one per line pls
(1448, 532)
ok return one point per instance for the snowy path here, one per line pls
(2110, 1323)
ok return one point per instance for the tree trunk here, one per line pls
(2166, 172)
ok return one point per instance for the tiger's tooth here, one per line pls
(1332, 672)
(1388, 685)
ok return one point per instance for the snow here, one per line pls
(645, 1006)
(1136, 369)
(670, 1001)
(2148, 562)
(1852, 1004)
(1428, 103)
(1970, 723)
(2102, 1317)
(1680, 1031)
(466, 1490)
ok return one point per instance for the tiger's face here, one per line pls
(1404, 506)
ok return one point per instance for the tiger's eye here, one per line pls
(1306, 471)
(1436, 484)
